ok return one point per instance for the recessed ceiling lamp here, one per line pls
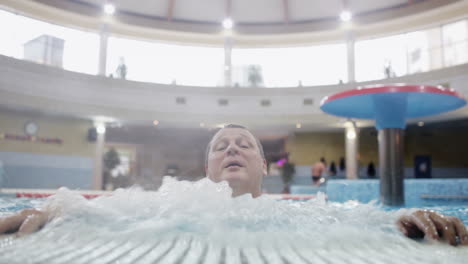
(298, 125)
(351, 134)
(109, 9)
(101, 128)
(345, 16)
(155, 122)
(228, 23)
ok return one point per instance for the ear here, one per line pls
(264, 168)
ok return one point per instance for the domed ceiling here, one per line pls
(249, 16)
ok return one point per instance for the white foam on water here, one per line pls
(199, 222)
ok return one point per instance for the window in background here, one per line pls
(42, 42)
(418, 51)
(291, 67)
(434, 37)
(455, 43)
(165, 63)
(424, 50)
(381, 58)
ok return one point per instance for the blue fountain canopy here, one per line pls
(391, 105)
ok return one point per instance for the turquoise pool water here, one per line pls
(199, 222)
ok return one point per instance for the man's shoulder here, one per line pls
(319, 164)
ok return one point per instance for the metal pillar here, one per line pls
(391, 166)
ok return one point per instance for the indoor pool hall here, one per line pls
(233, 131)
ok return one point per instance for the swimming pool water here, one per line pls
(417, 192)
(186, 222)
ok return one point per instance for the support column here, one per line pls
(98, 156)
(391, 166)
(227, 61)
(351, 59)
(351, 143)
(103, 36)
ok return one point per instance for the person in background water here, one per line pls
(342, 164)
(318, 169)
(371, 170)
(332, 169)
(236, 156)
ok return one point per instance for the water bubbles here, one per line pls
(207, 208)
(201, 220)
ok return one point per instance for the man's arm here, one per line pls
(24, 222)
(432, 225)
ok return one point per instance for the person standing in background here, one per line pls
(332, 169)
(342, 164)
(371, 170)
(122, 69)
(317, 172)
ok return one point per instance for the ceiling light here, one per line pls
(228, 23)
(109, 9)
(298, 125)
(155, 122)
(351, 134)
(101, 129)
(345, 15)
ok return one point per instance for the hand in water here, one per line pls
(431, 225)
(24, 222)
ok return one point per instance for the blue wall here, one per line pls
(27, 170)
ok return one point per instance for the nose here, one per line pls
(232, 149)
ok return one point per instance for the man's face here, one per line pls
(234, 157)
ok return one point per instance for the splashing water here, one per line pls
(199, 222)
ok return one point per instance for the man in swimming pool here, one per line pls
(236, 156)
